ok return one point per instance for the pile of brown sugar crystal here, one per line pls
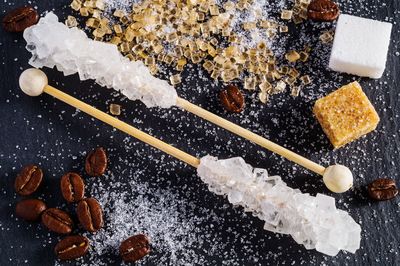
(176, 33)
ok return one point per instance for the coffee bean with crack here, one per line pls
(72, 187)
(90, 214)
(383, 189)
(232, 99)
(28, 180)
(134, 248)
(96, 162)
(18, 19)
(323, 10)
(57, 221)
(72, 247)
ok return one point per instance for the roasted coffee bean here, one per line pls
(28, 180)
(232, 99)
(383, 189)
(17, 20)
(72, 247)
(96, 162)
(90, 214)
(30, 209)
(323, 10)
(134, 248)
(57, 221)
(72, 187)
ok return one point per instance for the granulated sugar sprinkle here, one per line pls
(165, 217)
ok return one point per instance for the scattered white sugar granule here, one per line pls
(164, 216)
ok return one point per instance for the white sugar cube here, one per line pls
(360, 46)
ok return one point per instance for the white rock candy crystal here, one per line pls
(312, 221)
(69, 49)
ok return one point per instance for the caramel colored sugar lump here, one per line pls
(346, 114)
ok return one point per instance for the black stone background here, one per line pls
(44, 131)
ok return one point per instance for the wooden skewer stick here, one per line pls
(34, 82)
(247, 134)
(128, 129)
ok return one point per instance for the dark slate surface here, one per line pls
(47, 132)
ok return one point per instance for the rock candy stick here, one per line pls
(312, 221)
(53, 44)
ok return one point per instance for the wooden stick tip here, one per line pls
(338, 178)
(33, 81)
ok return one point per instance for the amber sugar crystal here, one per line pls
(346, 114)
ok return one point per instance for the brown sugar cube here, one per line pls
(346, 114)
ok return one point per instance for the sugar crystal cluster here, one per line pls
(312, 221)
(53, 44)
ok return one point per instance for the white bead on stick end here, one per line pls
(338, 178)
(32, 81)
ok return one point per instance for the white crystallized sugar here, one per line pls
(360, 46)
(312, 221)
(69, 49)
